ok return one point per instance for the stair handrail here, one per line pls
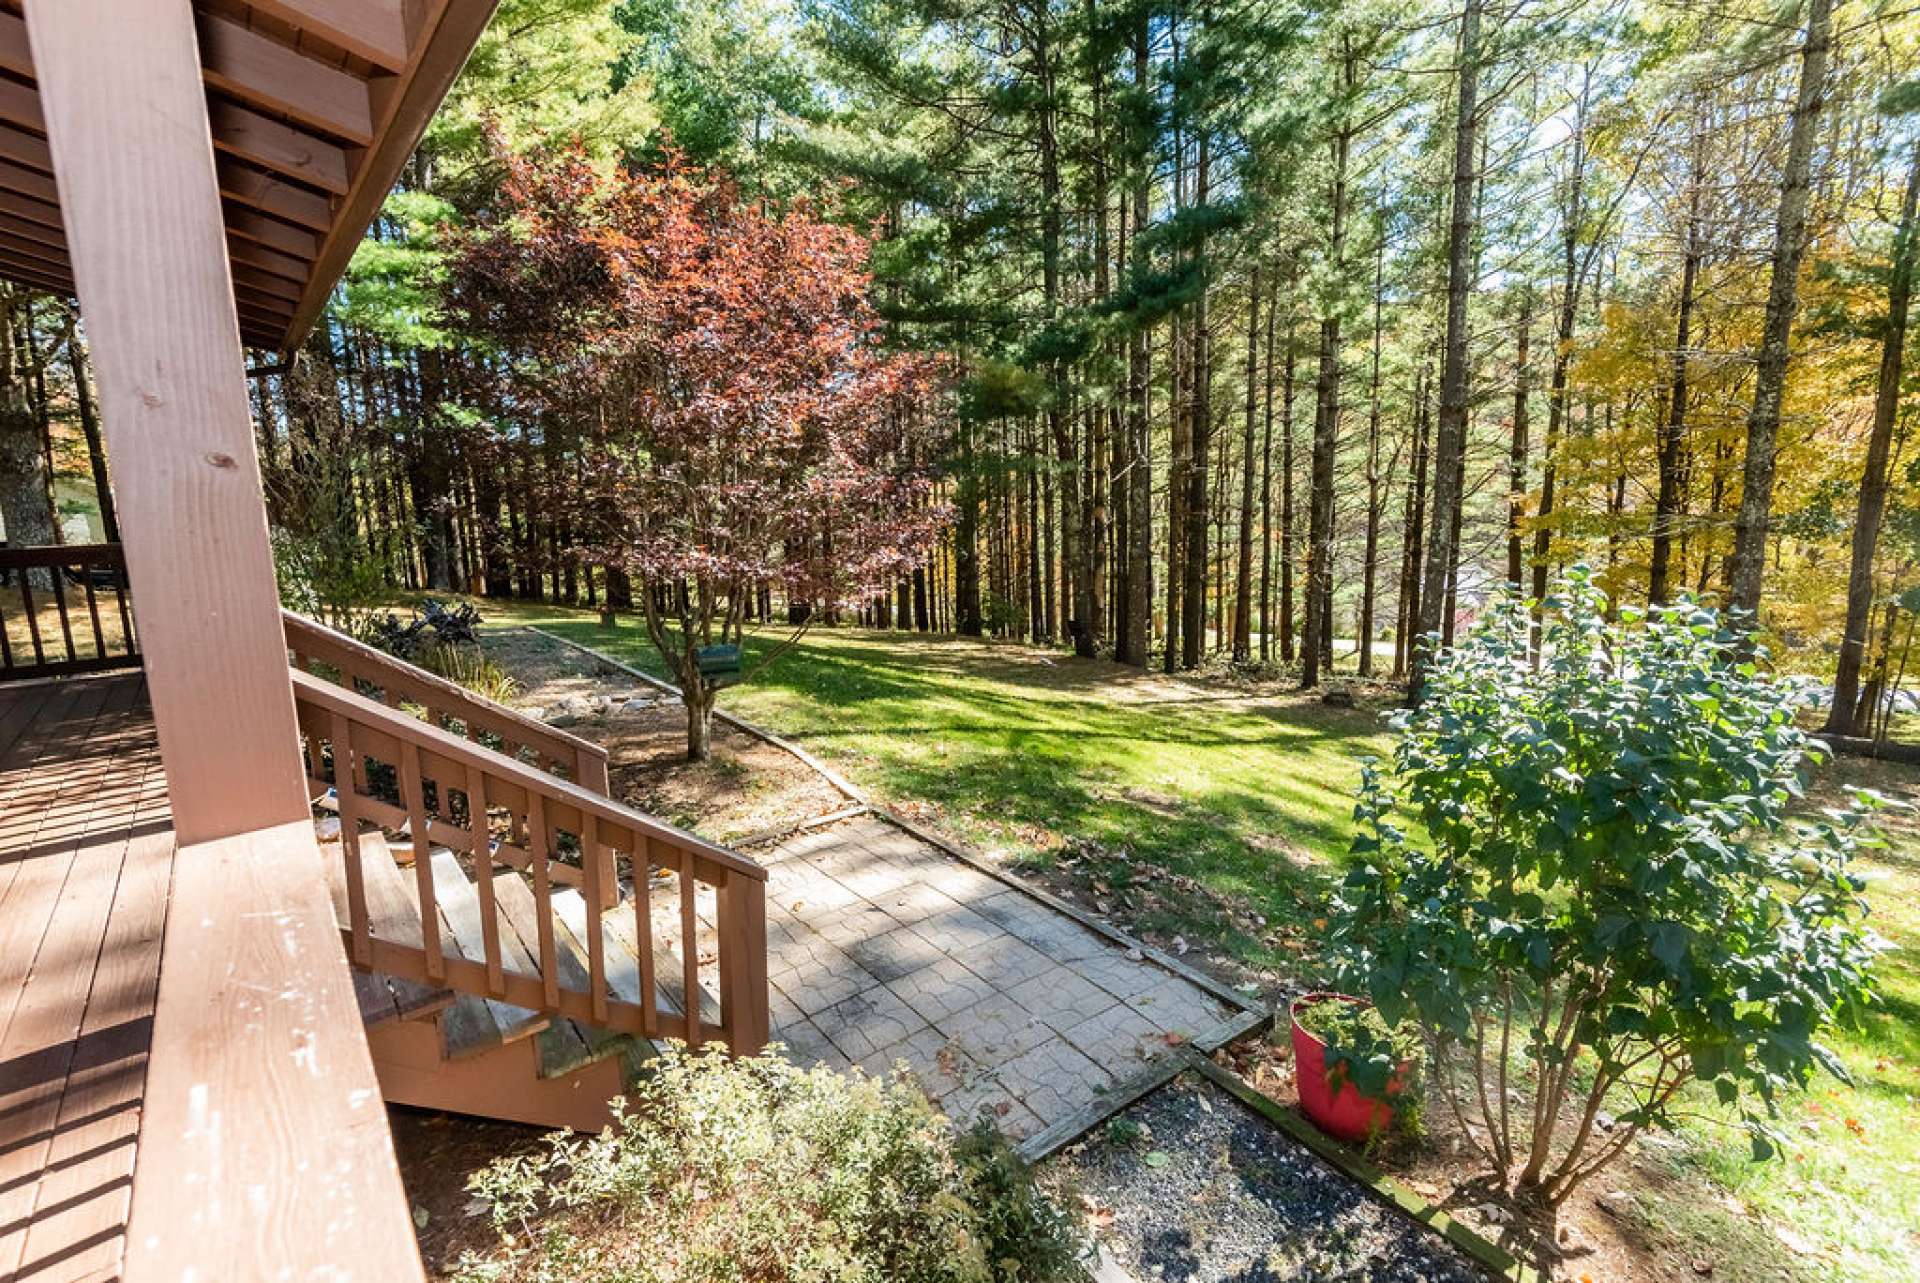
(308, 640)
(343, 729)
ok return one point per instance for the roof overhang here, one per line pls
(314, 107)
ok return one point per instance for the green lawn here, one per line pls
(1220, 816)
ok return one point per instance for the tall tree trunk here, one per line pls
(1286, 505)
(1747, 566)
(1672, 432)
(1872, 508)
(1369, 574)
(1266, 492)
(1193, 622)
(26, 485)
(1517, 452)
(1243, 594)
(1450, 439)
(96, 447)
(1139, 608)
(1314, 651)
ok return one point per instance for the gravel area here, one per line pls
(1188, 1184)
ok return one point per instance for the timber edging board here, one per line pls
(1383, 1188)
(972, 859)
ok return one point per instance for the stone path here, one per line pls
(883, 948)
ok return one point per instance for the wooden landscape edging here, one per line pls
(979, 863)
(1049, 1141)
(1350, 1163)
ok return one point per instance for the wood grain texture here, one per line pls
(85, 857)
(126, 117)
(265, 1150)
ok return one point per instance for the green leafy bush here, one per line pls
(1361, 1047)
(754, 1171)
(1587, 881)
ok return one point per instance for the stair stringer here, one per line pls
(503, 1083)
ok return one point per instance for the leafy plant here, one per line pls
(1361, 1048)
(471, 667)
(1610, 884)
(755, 1171)
(433, 624)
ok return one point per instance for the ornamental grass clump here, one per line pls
(753, 1171)
(1586, 878)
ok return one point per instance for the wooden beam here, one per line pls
(251, 67)
(267, 74)
(23, 148)
(376, 30)
(34, 211)
(282, 265)
(264, 1148)
(274, 234)
(250, 136)
(271, 195)
(127, 120)
(25, 182)
(20, 105)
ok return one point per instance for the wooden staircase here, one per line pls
(484, 887)
(465, 1053)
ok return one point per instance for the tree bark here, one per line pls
(1872, 508)
(1450, 437)
(1672, 432)
(1747, 566)
(1243, 594)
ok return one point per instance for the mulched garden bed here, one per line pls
(746, 788)
(1189, 1185)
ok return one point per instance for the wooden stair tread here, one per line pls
(566, 1045)
(391, 915)
(472, 1025)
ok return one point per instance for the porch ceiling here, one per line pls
(315, 105)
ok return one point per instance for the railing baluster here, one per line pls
(594, 853)
(480, 845)
(349, 813)
(93, 613)
(129, 644)
(690, 948)
(33, 617)
(59, 574)
(643, 933)
(413, 787)
(6, 644)
(542, 893)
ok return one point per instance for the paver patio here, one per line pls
(885, 949)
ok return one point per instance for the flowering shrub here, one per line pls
(1586, 881)
(753, 1171)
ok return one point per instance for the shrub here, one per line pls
(1610, 884)
(754, 1171)
(471, 667)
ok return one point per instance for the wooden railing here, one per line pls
(441, 791)
(89, 626)
(367, 670)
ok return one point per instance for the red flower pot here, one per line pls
(1344, 1114)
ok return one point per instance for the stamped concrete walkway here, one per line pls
(885, 949)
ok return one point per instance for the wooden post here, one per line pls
(742, 912)
(126, 118)
(602, 878)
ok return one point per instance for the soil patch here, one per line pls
(1617, 1227)
(746, 788)
(1189, 1185)
(438, 1154)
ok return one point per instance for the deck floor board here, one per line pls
(86, 857)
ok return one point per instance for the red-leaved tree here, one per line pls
(717, 367)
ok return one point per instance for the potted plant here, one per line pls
(1348, 1065)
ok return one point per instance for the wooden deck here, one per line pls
(86, 857)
